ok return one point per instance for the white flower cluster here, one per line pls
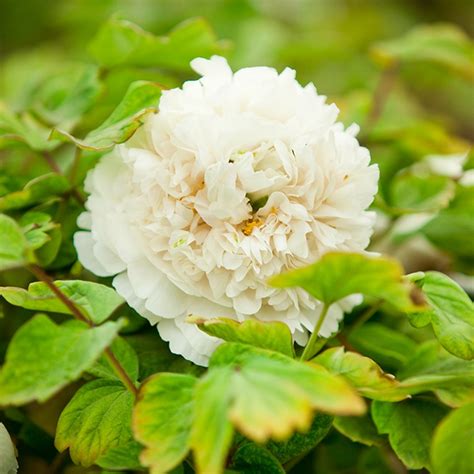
(240, 176)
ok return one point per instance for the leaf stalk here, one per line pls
(309, 348)
(78, 314)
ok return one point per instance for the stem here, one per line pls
(381, 94)
(365, 316)
(78, 314)
(347, 345)
(73, 175)
(293, 462)
(392, 460)
(51, 162)
(45, 278)
(120, 371)
(309, 348)
(75, 166)
(54, 167)
(58, 462)
(77, 196)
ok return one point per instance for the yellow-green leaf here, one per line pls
(363, 373)
(265, 395)
(162, 420)
(212, 431)
(274, 335)
(339, 274)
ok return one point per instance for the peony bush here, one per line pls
(205, 271)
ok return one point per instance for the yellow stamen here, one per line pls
(250, 225)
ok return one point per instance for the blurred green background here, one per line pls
(326, 41)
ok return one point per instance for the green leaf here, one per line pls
(123, 457)
(117, 81)
(37, 190)
(360, 429)
(457, 395)
(127, 357)
(419, 320)
(63, 98)
(452, 314)
(363, 373)
(301, 443)
(153, 354)
(43, 235)
(387, 347)
(443, 44)
(410, 425)
(211, 434)
(97, 301)
(254, 459)
(162, 420)
(43, 357)
(452, 228)
(13, 245)
(140, 100)
(375, 461)
(67, 253)
(450, 450)
(412, 193)
(47, 253)
(120, 42)
(267, 335)
(338, 274)
(35, 226)
(96, 419)
(431, 368)
(24, 129)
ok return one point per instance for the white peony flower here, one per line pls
(8, 462)
(237, 178)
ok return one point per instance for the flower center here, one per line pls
(251, 224)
